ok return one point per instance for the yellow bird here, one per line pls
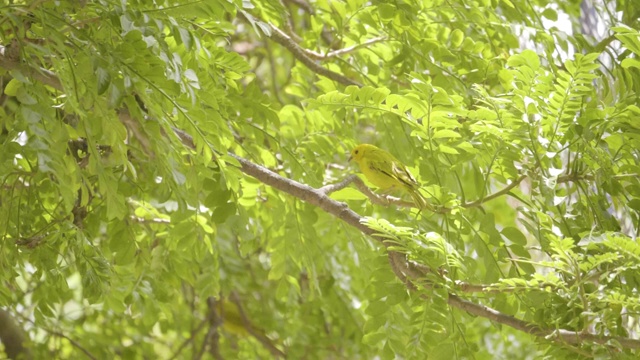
(231, 319)
(386, 172)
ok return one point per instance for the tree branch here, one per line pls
(341, 211)
(331, 188)
(303, 192)
(215, 321)
(194, 332)
(283, 39)
(303, 4)
(41, 75)
(385, 200)
(265, 341)
(570, 337)
(73, 343)
(142, 220)
(323, 57)
(301, 54)
(508, 188)
(13, 337)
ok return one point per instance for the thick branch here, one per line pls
(493, 315)
(566, 336)
(13, 337)
(303, 192)
(40, 75)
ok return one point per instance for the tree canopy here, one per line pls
(175, 183)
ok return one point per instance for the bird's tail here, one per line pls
(419, 199)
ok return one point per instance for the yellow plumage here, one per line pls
(386, 172)
(231, 318)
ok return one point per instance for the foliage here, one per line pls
(121, 236)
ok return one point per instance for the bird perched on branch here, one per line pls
(386, 172)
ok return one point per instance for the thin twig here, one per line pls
(285, 40)
(323, 57)
(274, 73)
(188, 341)
(253, 331)
(385, 200)
(141, 220)
(216, 321)
(73, 342)
(496, 194)
(331, 188)
(303, 5)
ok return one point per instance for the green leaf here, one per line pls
(630, 62)
(386, 11)
(374, 338)
(12, 87)
(104, 80)
(223, 212)
(457, 36)
(509, 3)
(550, 14)
(515, 235)
(447, 149)
(445, 134)
(25, 97)
(526, 57)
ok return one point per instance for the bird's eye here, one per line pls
(356, 152)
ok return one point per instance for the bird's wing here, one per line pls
(403, 175)
(392, 168)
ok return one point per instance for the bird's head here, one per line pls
(358, 152)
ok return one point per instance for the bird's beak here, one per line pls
(350, 158)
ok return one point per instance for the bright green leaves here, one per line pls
(457, 36)
(395, 321)
(628, 37)
(12, 87)
(103, 79)
(386, 306)
(570, 88)
(221, 204)
(429, 249)
(294, 246)
(527, 58)
(97, 192)
(550, 14)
